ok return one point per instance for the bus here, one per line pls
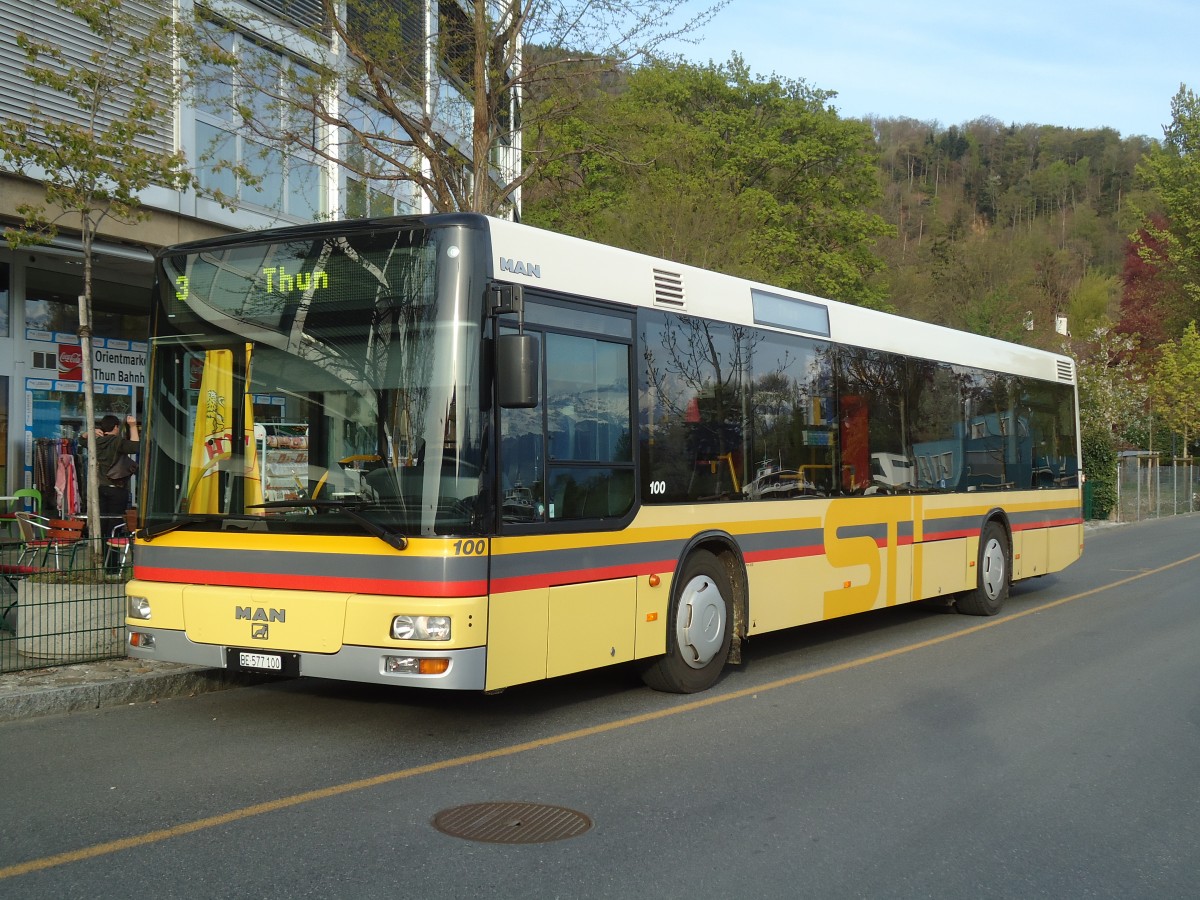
(453, 451)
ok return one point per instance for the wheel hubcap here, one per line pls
(991, 575)
(700, 625)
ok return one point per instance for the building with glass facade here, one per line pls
(41, 403)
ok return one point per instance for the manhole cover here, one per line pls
(511, 823)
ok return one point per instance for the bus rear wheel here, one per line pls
(698, 628)
(994, 574)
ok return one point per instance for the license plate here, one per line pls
(238, 659)
(267, 661)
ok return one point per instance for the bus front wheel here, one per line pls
(994, 574)
(698, 628)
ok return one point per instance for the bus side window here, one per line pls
(590, 419)
(871, 400)
(571, 457)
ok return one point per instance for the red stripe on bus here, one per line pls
(784, 553)
(951, 535)
(1053, 523)
(578, 576)
(314, 582)
(903, 540)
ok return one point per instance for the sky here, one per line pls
(1089, 64)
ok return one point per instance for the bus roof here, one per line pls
(531, 256)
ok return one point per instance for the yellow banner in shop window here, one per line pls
(252, 490)
(212, 439)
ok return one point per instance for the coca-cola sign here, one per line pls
(70, 363)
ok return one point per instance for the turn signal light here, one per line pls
(415, 665)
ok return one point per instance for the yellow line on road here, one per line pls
(258, 809)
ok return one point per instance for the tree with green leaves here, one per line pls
(1000, 224)
(1112, 381)
(1093, 301)
(1112, 399)
(1175, 385)
(467, 134)
(713, 166)
(95, 159)
(1100, 467)
(1173, 172)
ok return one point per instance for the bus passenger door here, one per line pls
(566, 482)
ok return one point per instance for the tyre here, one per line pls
(698, 628)
(994, 574)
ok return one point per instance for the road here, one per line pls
(1051, 751)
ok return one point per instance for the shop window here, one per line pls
(120, 311)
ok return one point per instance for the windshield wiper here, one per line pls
(350, 508)
(149, 534)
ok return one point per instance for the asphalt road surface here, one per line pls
(1053, 751)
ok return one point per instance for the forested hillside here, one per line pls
(1001, 229)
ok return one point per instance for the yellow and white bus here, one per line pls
(457, 452)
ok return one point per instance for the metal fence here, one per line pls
(1149, 487)
(61, 610)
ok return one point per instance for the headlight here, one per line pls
(437, 628)
(421, 628)
(137, 607)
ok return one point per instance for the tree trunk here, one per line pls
(87, 236)
(481, 121)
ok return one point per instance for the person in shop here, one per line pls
(110, 445)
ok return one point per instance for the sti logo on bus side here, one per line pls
(260, 614)
(520, 268)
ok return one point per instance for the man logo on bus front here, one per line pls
(258, 633)
(517, 267)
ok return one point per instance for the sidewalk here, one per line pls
(110, 682)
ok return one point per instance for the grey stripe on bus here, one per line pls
(316, 565)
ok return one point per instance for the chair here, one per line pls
(60, 537)
(19, 496)
(120, 542)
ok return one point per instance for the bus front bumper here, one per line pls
(467, 670)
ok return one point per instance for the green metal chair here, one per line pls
(9, 517)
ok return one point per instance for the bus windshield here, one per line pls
(324, 383)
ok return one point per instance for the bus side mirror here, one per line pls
(517, 371)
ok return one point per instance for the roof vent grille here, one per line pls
(668, 289)
(1066, 371)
